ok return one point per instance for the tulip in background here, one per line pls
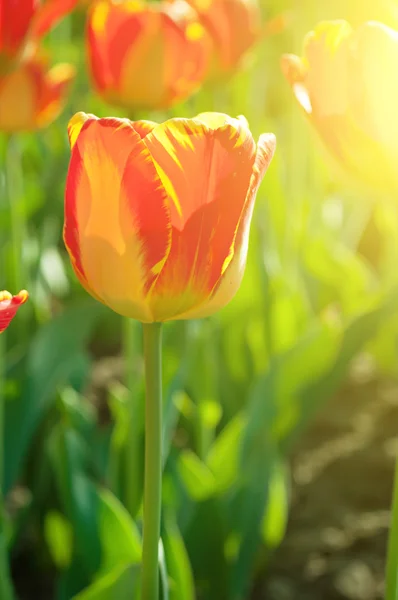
(32, 96)
(8, 307)
(24, 22)
(346, 83)
(233, 25)
(146, 55)
(157, 220)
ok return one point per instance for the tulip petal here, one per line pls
(144, 55)
(48, 15)
(143, 127)
(31, 96)
(234, 26)
(9, 305)
(15, 19)
(53, 91)
(228, 284)
(116, 215)
(205, 208)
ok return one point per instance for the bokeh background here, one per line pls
(280, 411)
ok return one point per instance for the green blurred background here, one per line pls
(320, 289)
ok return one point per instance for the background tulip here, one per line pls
(32, 95)
(23, 19)
(9, 305)
(157, 217)
(346, 83)
(146, 55)
(233, 25)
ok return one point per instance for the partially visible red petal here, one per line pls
(48, 15)
(53, 93)
(234, 26)
(9, 305)
(15, 20)
(32, 96)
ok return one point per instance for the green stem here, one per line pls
(17, 223)
(392, 555)
(6, 588)
(153, 460)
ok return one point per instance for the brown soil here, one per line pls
(342, 472)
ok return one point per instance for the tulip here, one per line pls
(25, 20)
(346, 82)
(146, 55)
(157, 216)
(32, 96)
(9, 305)
(234, 26)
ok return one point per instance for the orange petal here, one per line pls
(229, 282)
(53, 93)
(143, 127)
(234, 26)
(9, 305)
(206, 173)
(141, 55)
(117, 225)
(31, 96)
(48, 15)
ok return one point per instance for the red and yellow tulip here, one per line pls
(26, 20)
(8, 307)
(157, 216)
(347, 84)
(234, 26)
(31, 95)
(146, 55)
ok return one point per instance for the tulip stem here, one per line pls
(13, 190)
(153, 460)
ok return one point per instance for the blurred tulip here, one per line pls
(157, 217)
(23, 20)
(347, 85)
(146, 55)
(8, 307)
(234, 26)
(32, 96)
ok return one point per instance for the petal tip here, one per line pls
(75, 125)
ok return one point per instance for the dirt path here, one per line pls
(342, 483)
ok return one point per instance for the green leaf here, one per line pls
(56, 356)
(119, 584)
(245, 520)
(179, 570)
(276, 512)
(98, 518)
(119, 536)
(196, 476)
(223, 456)
(59, 537)
(205, 539)
(81, 502)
